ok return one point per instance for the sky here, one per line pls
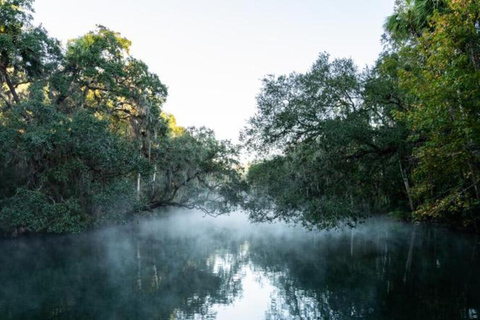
(212, 54)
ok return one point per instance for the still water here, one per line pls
(185, 266)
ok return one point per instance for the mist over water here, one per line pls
(187, 266)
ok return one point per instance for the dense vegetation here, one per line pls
(403, 136)
(83, 139)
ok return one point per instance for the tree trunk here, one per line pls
(407, 186)
(139, 179)
(474, 180)
(10, 85)
(154, 177)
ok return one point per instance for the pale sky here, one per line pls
(212, 54)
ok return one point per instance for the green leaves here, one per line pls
(439, 72)
(26, 52)
(294, 108)
(83, 141)
(198, 171)
(32, 211)
(101, 76)
(339, 146)
(411, 18)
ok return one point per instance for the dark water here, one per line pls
(188, 267)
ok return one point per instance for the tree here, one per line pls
(339, 147)
(443, 77)
(411, 18)
(196, 171)
(82, 132)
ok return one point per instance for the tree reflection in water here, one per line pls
(184, 267)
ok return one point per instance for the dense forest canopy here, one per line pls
(402, 136)
(84, 140)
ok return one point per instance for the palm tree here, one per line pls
(411, 17)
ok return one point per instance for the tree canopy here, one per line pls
(84, 140)
(401, 136)
(338, 149)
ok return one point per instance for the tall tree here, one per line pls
(26, 52)
(339, 147)
(411, 18)
(82, 137)
(443, 78)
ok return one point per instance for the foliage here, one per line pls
(197, 171)
(33, 211)
(443, 77)
(404, 132)
(340, 147)
(82, 132)
(84, 141)
(411, 18)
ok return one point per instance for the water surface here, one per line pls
(185, 266)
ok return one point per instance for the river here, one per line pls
(187, 266)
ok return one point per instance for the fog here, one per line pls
(185, 265)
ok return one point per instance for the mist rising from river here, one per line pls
(185, 265)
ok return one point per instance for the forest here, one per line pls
(401, 137)
(84, 140)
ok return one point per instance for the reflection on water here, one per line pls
(185, 266)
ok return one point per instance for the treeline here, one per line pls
(83, 139)
(402, 136)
